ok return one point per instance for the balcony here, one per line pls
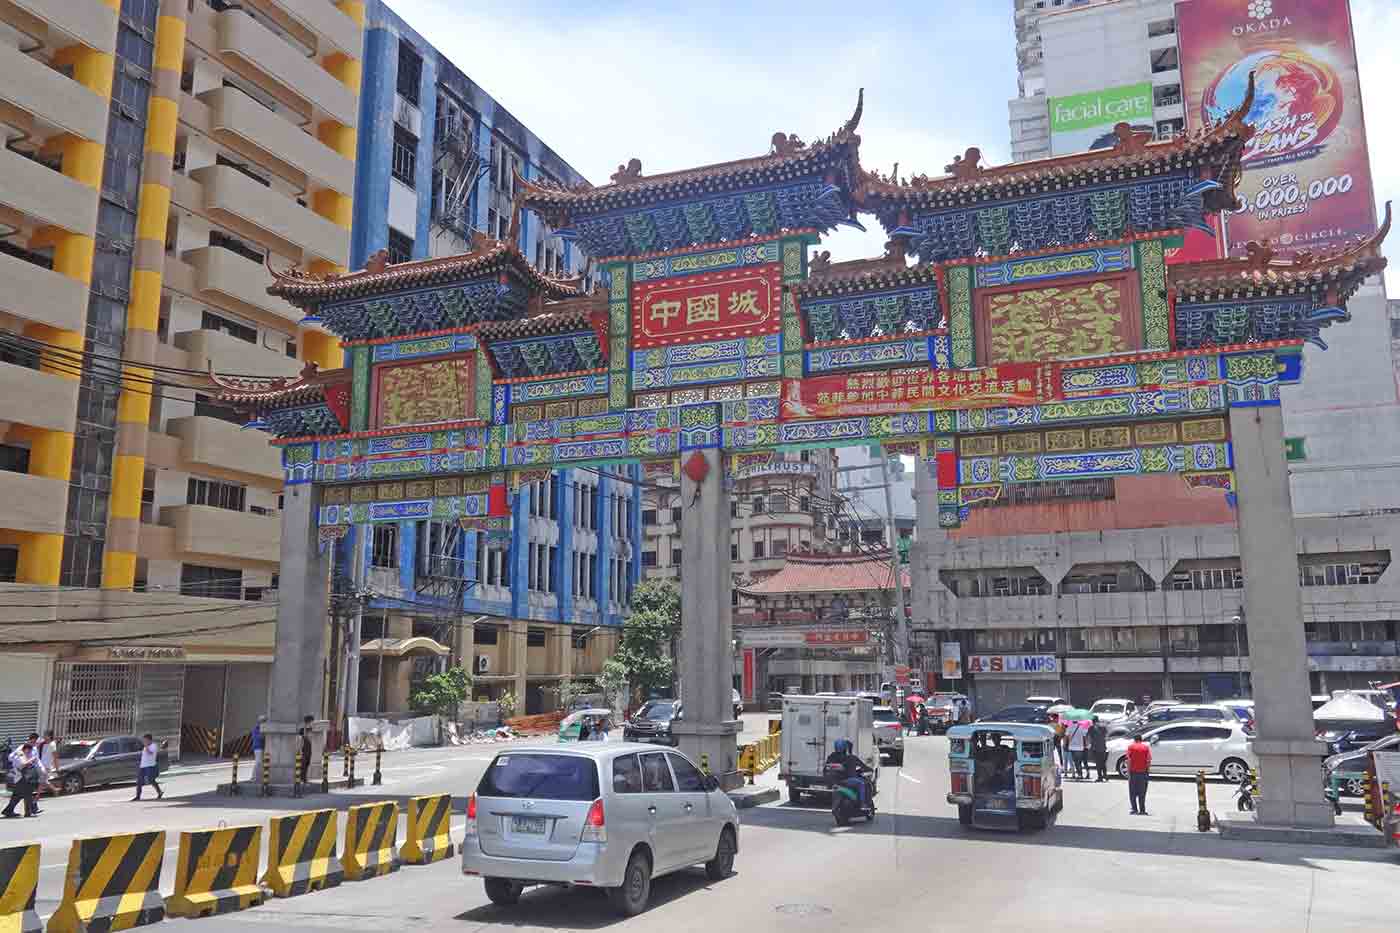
(233, 199)
(291, 76)
(47, 196)
(56, 99)
(57, 23)
(243, 124)
(207, 531)
(41, 295)
(238, 281)
(323, 20)
(33, 503)
(41, 400)
(206, 348)
(1329, 648)
(219, 447)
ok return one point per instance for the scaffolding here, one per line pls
(457, 167)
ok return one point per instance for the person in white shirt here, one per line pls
(1078, 737)
(48, 754)
(146, 774)
(29, 771)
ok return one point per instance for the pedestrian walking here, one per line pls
(149, 767)
(1139, 770)
(26, 771)
(1061, 749)
(48, 754)
(1098, 746)
(1077, 738)
(258, 737)
(306, 722)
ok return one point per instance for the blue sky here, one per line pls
(678, 85)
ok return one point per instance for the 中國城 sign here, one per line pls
(713, 306)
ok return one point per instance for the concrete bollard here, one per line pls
(704, 763)
(233, 784)
(378, 776)
(345, 761)
(296, 775)
(350, 779)
(1202, 814)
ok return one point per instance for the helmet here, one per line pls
(843, 746)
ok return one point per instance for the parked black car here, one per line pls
(652, 723)
(1020, 712)
(98, 762)
(1218, 712)
(1341, 741)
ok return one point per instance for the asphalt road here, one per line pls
(915, 867)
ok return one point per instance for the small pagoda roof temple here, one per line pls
(312, 403)
(794, 186)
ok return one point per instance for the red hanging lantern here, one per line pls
(696, 467)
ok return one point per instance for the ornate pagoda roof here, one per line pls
(561, 317)
(788, 159)
(828, 573)
(1262, 272)
(265, 394)
(379, 276)
(891, 270)
(1217, 148)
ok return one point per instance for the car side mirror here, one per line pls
(711, 782)
(1152, 740)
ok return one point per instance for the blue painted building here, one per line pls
(437, 158)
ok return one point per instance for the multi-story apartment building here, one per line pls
(1131, 586)
(1072, 47)
(160, 156)
(438, 161)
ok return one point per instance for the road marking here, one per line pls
(910, 777)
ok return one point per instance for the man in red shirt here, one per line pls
(1139, 767)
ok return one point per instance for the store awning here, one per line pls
(398, 647)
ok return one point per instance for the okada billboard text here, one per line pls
(1306, 183)
(1085, 121)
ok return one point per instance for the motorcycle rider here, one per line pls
(855, 769)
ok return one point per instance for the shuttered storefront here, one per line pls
(95, 700)
(18, 719)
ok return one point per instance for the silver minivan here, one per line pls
(612, 816)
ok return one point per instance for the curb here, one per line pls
(749, 797)
(1243, 828)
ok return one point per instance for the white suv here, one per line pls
(610, 816)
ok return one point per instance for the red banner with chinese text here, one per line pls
(851, 636)
(714, 306)
(914, 389)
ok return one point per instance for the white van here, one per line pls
(811, 726)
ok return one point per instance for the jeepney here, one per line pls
(1003, 776)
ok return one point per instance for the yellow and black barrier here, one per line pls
(301, 853)
(371, 840)
(429, 830)
(217, 872)
(19, 882)
(775, 726)
(112, 883)
(748, 760)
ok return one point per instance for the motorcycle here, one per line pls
(1244, 795)
(846, 802)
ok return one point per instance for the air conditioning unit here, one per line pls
(483, 664)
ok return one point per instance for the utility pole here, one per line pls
(901, 624)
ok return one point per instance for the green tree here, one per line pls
(612, 679)
(568, 690)
(507, 703)
(442, 693)
(647, 635)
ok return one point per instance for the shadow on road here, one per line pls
(211, 800)
(584, 909)
(817, 819)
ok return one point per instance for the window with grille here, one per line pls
(231, 496)
(212, 582)
(405, 159)
(400, 246)
(410, 76)
(384, 549)
(211, 321)
(9, 564)
(1339, 574)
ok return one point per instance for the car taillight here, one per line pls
(594, 825)
(471, 815)
(1030, 787)
(959, 783)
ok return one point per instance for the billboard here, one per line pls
(952, 660)
(915, 389)
(1085, 121)
(1307, 177)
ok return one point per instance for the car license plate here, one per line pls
(533, 825)
(994, 804)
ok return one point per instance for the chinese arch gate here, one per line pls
(1023, 325)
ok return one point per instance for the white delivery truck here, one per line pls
(811, 726)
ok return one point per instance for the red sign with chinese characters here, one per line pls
(714, 306)
(851, 636)
(901, 390)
